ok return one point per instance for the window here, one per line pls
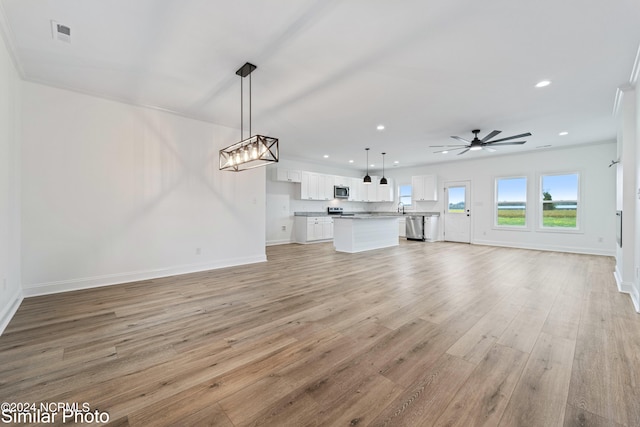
(511, 202)
(456, 197)
(405, 195)
(559, 201)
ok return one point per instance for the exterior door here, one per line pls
(457, 213)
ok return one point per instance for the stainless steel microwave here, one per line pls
(340, 192)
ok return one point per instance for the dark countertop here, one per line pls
(377, 213)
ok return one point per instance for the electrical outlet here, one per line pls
(198, 251)
(284, 228)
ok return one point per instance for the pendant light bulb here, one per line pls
(367, 178)
(383, 181)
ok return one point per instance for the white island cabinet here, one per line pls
(313, 229)
(364, 232)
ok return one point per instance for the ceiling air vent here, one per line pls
(60, 32)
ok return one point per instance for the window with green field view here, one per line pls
(511, 202)
(560, 200)
(405, 195)
(456, 197)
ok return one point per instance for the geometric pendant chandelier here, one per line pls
(255, 151)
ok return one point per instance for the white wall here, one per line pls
(10, 291)
(113, 193)
(598, 204)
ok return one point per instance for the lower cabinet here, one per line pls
(431, 228)
(311, 229)
(402, 227)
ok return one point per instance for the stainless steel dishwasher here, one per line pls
(415, 227)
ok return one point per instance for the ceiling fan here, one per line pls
(481, 144)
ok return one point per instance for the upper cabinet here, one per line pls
(385, 192)
(424, 188)
(315, 186)
(288, 175)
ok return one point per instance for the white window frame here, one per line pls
(579, 208)
(527, 210)
(409, 206)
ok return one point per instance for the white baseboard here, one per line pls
(627, 288)
(549, 248)
(119, 278)
(7, 313)
(279, 242)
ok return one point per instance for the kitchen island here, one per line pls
(360, 233)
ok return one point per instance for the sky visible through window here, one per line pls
(456, 199)
(561, 187)
(512, 190)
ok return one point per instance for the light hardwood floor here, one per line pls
(437, 334)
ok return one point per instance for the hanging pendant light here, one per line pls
(383, 181)
(367, 178)
(255, 151)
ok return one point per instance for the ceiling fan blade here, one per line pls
(462, 152)
(451, 149)
(461, 139)
(491, 150)
(508, 143)
(511, 137)
(491, 135)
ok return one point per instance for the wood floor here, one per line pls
(439, 334)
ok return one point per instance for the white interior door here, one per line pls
(457, 213)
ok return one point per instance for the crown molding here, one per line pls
(9, 41)
(617, 101)
(635, 71)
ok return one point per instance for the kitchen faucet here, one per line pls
(401, 205)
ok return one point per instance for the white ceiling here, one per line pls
(330, 71)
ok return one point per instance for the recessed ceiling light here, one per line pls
(396, 162)
(543, 83)
(326, 156)
(372, 165)
(380, 127)
(350, 161)
(563, 133)
(445, 152)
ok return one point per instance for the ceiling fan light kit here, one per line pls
(255, 151)
(477, 144)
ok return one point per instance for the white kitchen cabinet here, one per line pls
(424, 188)
(357, 190)
(402, 227)
(385, 192)
(315, 186)
(372, 190)
(431, 228)
(325, 187)
(309, 186)
(312, 229)
(288, 175)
